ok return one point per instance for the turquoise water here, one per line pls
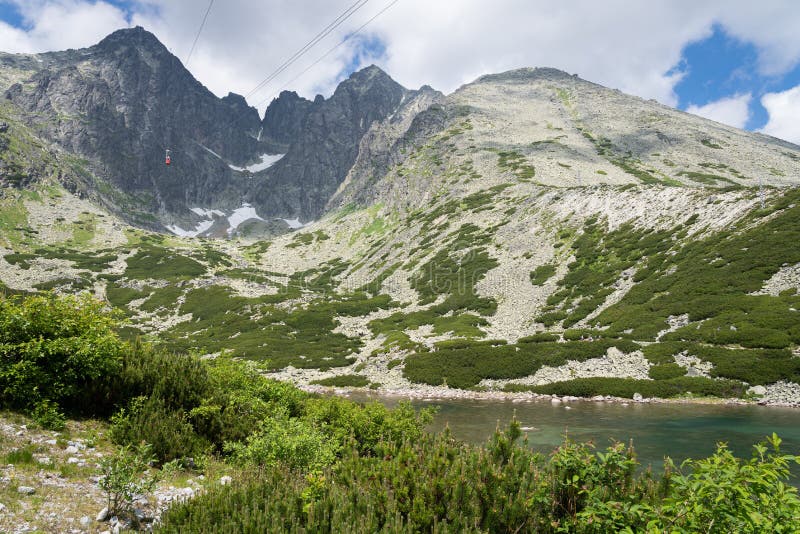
(679, 431)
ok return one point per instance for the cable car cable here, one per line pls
(321, 35)
(329, 52)
(196, 37)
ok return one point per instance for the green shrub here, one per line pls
(48, 416)
(538, 338)
(542, 274)
(126, 476)
(343, 381)
(437, 484)
(665, 371)
(291, 442)
(179, 381)
(57, 349)
(626, 387)
(168, 431)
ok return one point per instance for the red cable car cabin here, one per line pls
(168, 159)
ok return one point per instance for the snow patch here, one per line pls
(211, 151)
(240, 215)
(202, 212)
(294, 224)
(267, 161)
(199, 229)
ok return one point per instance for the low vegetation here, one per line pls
(308, 463)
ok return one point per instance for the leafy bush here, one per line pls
(168, 431)
(626, 387)
(666, 371)
(57, 349)
(542, 274)
(436, 484)
(125, 476)
(47, 414)
(343, 381)
(288, 441)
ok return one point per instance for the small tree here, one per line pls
(126, 475)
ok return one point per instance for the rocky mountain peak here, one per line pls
(136, 37)
(526, 74)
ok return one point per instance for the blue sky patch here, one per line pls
(11, 15)
(722, 66)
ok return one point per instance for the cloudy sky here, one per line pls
(734, 61)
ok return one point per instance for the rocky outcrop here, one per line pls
(284, 120)
(120, 104)
(317, 161)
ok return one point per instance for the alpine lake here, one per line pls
(677, 430)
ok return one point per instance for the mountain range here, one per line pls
(530, 231)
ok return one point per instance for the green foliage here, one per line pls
(291, 442)
(665, 371)
(160, 263)
(436, 484)
(600, 259)
(626, 387)
(168, 431)
(710, 144)
(125, 476)
(343, 381)
(48, 416)
(58, 350)
(464, 366)
(542, 274)
(517, 164)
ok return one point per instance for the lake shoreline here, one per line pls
(432, 394)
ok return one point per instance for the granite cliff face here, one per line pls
(119, 105)
(322, 139)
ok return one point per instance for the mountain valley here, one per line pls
(530, 233)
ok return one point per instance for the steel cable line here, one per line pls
(321, 35)
(329, 52)
(196, 37)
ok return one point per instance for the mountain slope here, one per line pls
(531, 231)
(119, 105)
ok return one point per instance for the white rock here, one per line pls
(85, 521)
(637, 397)
(225, 480)
(44, 460)
(102, 515)
(757, 390)
(26, 490)
(73, 460)
(72, 449)
(555, 400)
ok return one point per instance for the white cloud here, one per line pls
(784, 114)
(60, 24)
(732, 110)
(626, 45)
